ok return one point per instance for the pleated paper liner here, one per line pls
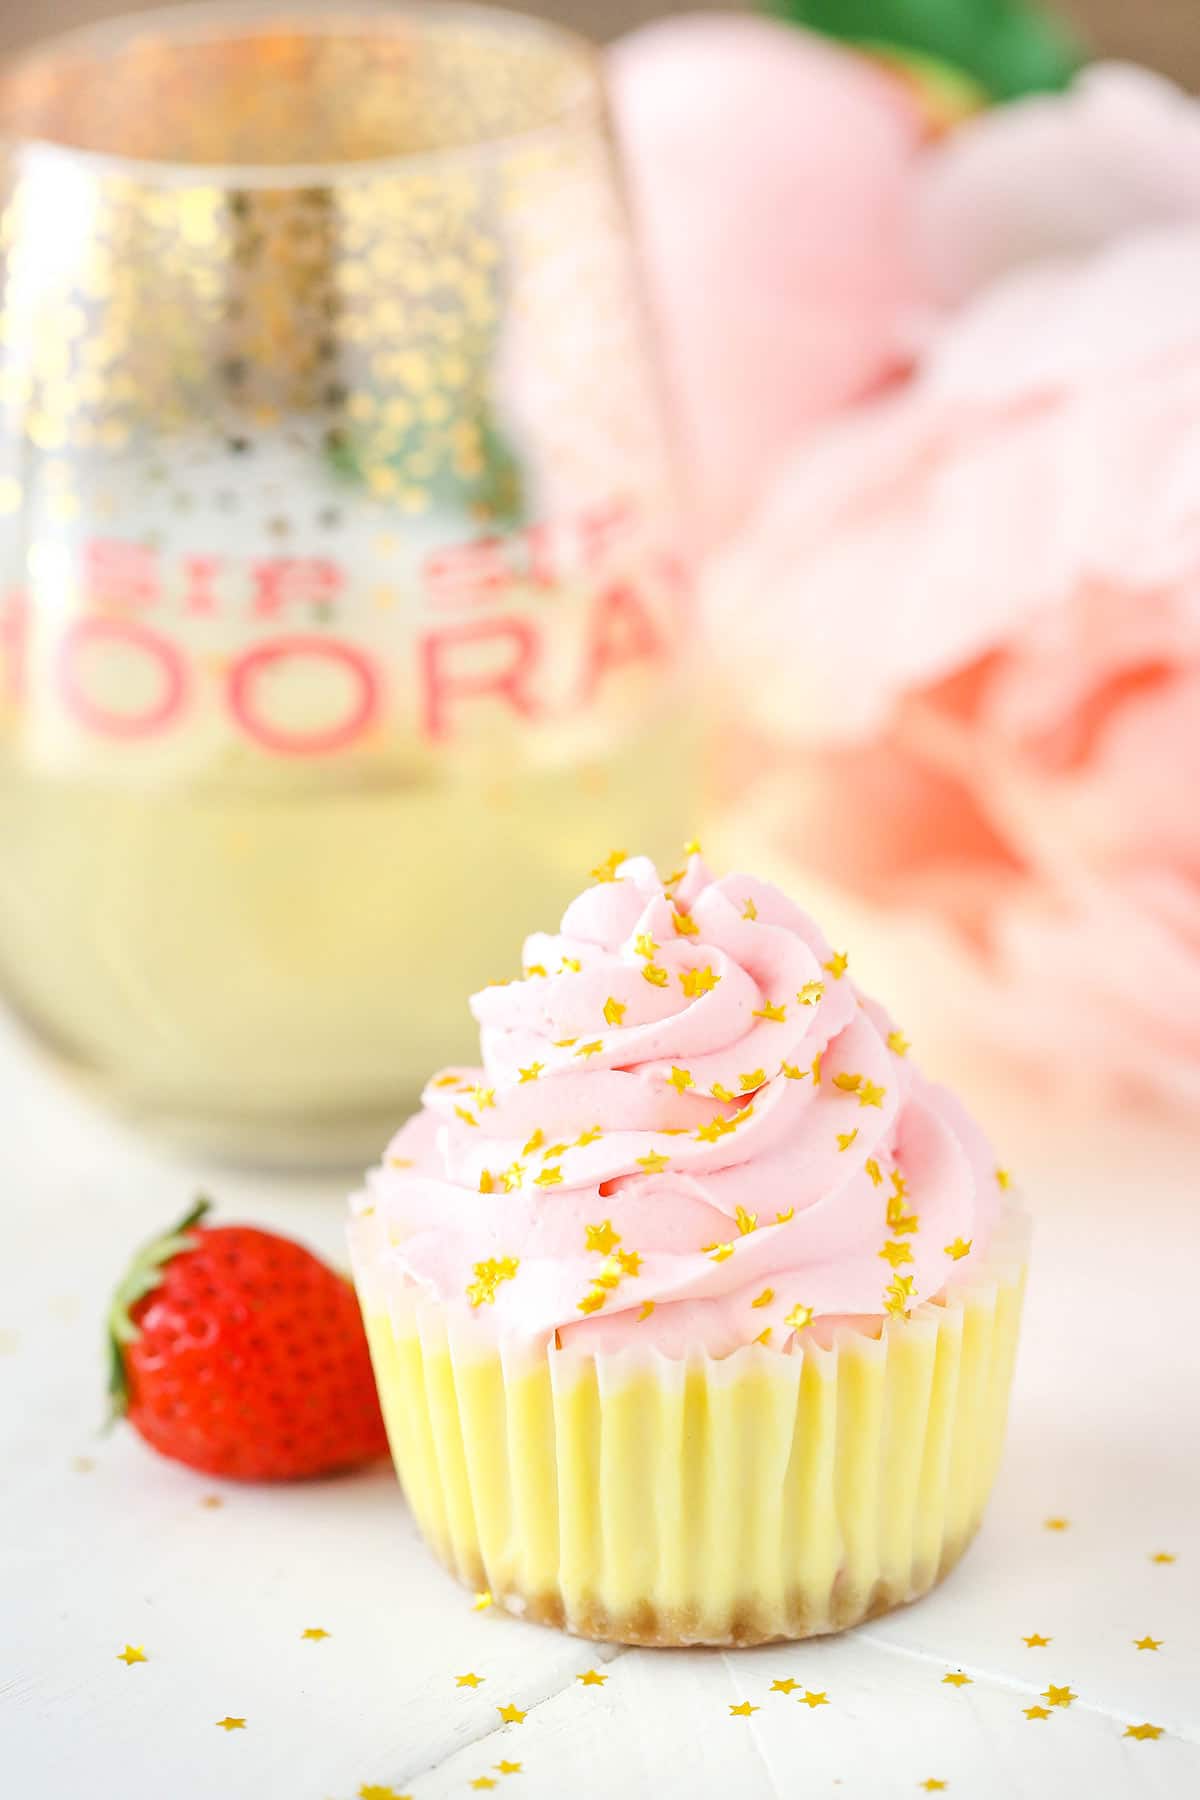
(650, 1500)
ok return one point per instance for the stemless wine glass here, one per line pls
(341, 612)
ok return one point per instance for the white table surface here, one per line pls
(105, 1545)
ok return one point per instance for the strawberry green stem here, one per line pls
(141, 1278)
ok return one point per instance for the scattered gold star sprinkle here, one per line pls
(654, 1162)
(685, 925)
(746, 1221)
(532, 1072)
(692, 847)
(212, 1501)
(508, 1768)
(932, 1785)
(591, 1678)
(548, 1177)
(846, 1138)
(655, 975)
(847, 1081)
(488, 1276)
(487, 1184)
(536, 1140)
(898, 1220)
(609, 1277)
(784, 1687)
(1057, 1524)
(810, 993)
(1148, 1643)
(1163, 1556)
(837, 965)
(871, 1095)
(753, 1078)
(792, 1071)
(816, 1069)
(532, 969)
(800, 1318)
(482, 1600)
(512, 1715)
(765, 1298)
(1003, 1178)
(314, 1633)
(484, 1781)
(1143, 1731)
(959, 1248)
(373, 1790)
(698, 981)
(471, 1681)
(484, 1097)
(601, 1237)
(564, 1043)
(132, 1653)
(1059, 1696)
(744, 1710)
(769, 1010)
(897, 1295)
(720, 1092)
(896, 1254)
(614, 1011)
(957, 1680)
(591, 1303)
(749, 911)
(647, 1309)
(898, 1044)
(449, 1080)
(718, 1253)
(873, 1170)
(607, 870)
(764, 1337)
(713, 1132)
(592, 1049)
(468, 1118)
(808, 1698)
(1037, 1712)
(785, 1218)
(228, 1724)
(591, 1136)
(645, 945)
(629, 1261)
(680, 1079)
(513, 1176)
(1036, 1641)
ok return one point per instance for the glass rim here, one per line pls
(202, 22)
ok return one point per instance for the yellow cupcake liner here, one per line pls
(651, 1500)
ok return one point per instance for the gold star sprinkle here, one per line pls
(1036, 1641)
(765, 1298)
(532, 969)
(680, 1080)
(132, 1653)
(1057, 1524)
(770, 1011)
(228, 1724)
(846, 1138)
(685, 925)
(592, 1049)
(785, 1218)
(548, 1177)
(959, 1248)
(468, 1118)
(897, 1295)
(488, 1276)
(314, 1633)
(808, 1698)
(511, 1715)
(746, 1221)
(800, 1318)
(1059, 1696)
(1143, 1731)
(487, 1184)
(532, 1072)
(591, 1303)
(629, 1261)
(896, 1254)
(792, 1071)
(607, 870)
(698, 981)
(656, 976)
(932, 1785)
(372, 1790)
(874, 1171)
(484, 1097)
(837, 965)
(749, 911)
(957, 1680)
(898, 1044)
(764, 1337)
(654, 1163)
(536, 1140)
(692, 847)
(601, 1237)
(614, 1011)
(564, 1043)
(848, 1082)
(471, 1681)
(718, 1253)
(753, 1078)
(609, 1276)
(482, 1600)
(1148, 1643)
(870, 1095)
(592, 1136)
(720, 1092)
(1036, 1712)
(591, 1678)
(810, 993)
(816, 1069)
(484, 1781)
(1163, 1556)
(647, 1309)
(783, 1687)
(1003, 1179)
(744, 1710)
(508, 1768)
(513, 1176)
(645, 945)
(714, 1131)
(445, 1081)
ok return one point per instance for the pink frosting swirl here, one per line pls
(690, 1129)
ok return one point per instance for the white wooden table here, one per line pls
(104, 1546)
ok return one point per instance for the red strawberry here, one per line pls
(244, 1355)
